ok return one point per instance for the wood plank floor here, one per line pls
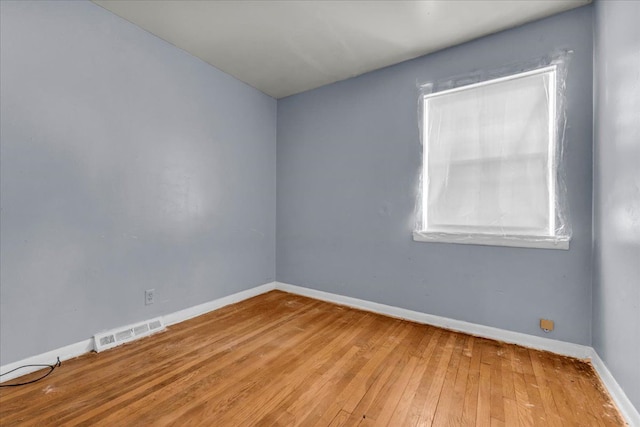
(282, 359)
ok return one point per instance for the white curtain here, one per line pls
(489, 164)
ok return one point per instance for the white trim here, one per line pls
(524, 74)
(425, 164)
(560, 347)
(492, 240)
(86, 346)
(195, 311)
(531, 341)
(552, 168)
(628, 411)
(47, 358)
(546, 237)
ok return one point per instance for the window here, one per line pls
(490, 163)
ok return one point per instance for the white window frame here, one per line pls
(457, 234)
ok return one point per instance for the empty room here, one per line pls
(320, 213)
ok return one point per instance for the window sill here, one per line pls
(541, 242)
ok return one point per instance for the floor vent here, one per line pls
(115, 337)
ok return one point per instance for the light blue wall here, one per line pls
(126, 164)
(616, 297)
(348, 163)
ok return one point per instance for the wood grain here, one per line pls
(285, 360)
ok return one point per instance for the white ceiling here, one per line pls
(287, 47)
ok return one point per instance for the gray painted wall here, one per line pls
(348, 164)
(126, 164)
(616, 284)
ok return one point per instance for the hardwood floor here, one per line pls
(282, 359)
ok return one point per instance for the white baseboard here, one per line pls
(625, 406)
(560, 347)
(198, 310)
(86, 346)
(531, 341)
(629, 412)
(48, 358)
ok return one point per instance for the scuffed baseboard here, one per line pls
(628, 411)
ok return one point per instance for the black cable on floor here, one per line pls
(51, 368)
